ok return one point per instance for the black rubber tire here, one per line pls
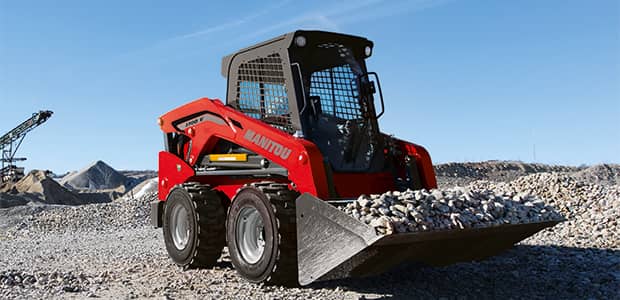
(276, 205)
(206, 227)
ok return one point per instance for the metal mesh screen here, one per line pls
(330, 45)
(261, 92)
(337, 89)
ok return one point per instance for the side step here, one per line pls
(332, 244)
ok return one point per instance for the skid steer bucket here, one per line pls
(332, 244)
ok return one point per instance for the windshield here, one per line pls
(336, 87)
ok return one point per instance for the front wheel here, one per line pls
(193, 225)
(261, 233)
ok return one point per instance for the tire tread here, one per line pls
(211, 232)
(282, 200)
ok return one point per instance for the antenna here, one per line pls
(533, 145)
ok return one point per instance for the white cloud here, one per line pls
(233, 23)
(330, 17)
(350, 12)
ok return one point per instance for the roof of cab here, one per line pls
(284, 41)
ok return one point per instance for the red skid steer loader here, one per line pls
(264, 172)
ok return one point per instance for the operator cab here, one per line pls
(313, 84)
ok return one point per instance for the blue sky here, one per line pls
(470, 80)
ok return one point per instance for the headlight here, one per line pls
(300, 41)
(368, 51)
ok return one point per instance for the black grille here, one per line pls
(330, 45)
(261, 92)
(337, 89)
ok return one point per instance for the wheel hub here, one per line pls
(180, 229)
(250, 234)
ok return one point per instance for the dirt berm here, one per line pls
(39, 187)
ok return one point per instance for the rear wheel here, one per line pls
(193, 225)
(261, 233)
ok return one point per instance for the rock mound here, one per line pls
(8, 200)
(454, 173)
(600, 174)
(484, 170)
(38, 186)
(592, 210)
(124, 212)
(143, 188)
(97, 176)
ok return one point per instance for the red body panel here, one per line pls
(300, 157)
(351, 185)
(424, 163)
(172, 171)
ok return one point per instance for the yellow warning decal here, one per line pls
(228, 157)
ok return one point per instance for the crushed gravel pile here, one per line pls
(600, 174)
(39, 187)
(124, 212)
(97, 176)
(145, 187)
(454, 208)
(9, 200)
(451, 174)
(592, 210)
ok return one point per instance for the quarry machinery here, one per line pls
(12, 140)
(264, 172)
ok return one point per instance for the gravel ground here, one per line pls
(109, 251)
(133, 263)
